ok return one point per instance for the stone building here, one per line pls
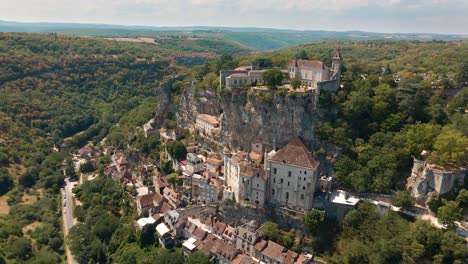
(426, 178)
(292, 176)
(204, 189)
(315, 74)
(207, 124)
(244, 177)
(194, 164)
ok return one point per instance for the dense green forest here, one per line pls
(56, 89)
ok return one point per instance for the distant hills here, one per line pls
(251, 38)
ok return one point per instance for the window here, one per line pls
(272, 192)
(258, 185)
(274, 170)
(302, 196)
(305, 172)
(289, 174)
(303, 187)
(281, 181)
(274, 180)
(288, 183)
(287, 195)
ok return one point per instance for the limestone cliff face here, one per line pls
(269, 118)
(263, 116)
(193, 103)
(427, 178)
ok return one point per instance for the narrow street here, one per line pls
(67, 215)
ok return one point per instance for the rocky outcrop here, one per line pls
(268, 117)
(166, 107)
(426, 178)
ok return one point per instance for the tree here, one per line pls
(87, 167)
(449, 213)
(198, 258)
(19, 248)
(313, 219)
(6, 183)
(177, 150)
(450, 149)
(29, 178)
(263, 62)
(273, 77)
(174, 180)
(462, 76)
(302, 55)
(270, 230)
(462, 198)
(404, 199)
(296, 83)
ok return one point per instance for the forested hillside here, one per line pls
(56, 89)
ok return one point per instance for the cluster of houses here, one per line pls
(202, 228)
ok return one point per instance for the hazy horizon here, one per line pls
(386, 16)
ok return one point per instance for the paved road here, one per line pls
(67, 212)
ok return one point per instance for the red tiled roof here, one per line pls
(165, 208)
(307, 64)
(158, 198)
(248, 171)
(208, 118)
(260, 245)
(219, 227)
(296, 153)
(280, 253)
(145, 200)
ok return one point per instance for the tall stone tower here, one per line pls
(337, 63)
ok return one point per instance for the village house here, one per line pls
(85, 152)
(214, 167)
(208, 125)
(194, 164)
(244, 176)
(204, 189)
(246, 236)
(292, 177)
(172, 197)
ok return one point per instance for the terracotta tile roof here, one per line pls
(208, 118)
(238, 157)
(307, 64)
(248, 171)
(243, 259)
(214, 161)
(165, 208)
(145, 200)
(225, 250)
(161, 182)
(199, 233)
(255, 156)
(158, 198)
(219, 227)
(260, 245)
(280, 253)
(296, 153)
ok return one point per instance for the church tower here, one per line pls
(337, 62)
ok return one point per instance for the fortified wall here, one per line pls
(426, 178)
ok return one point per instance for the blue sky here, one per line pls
(426, 16)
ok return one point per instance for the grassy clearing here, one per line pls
(4, 207)
(16, 170)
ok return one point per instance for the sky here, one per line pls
(389, 16)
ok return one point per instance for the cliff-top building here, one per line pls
(314, 75)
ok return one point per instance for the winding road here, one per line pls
(67, 215)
